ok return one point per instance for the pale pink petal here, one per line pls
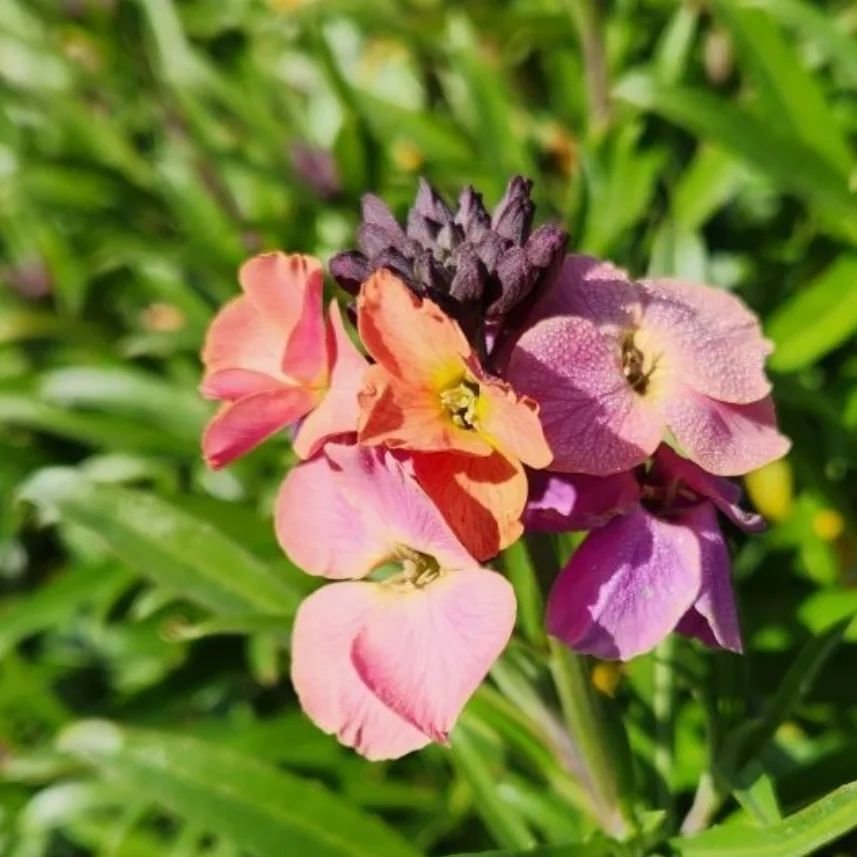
(426, 650)
(592, 289)
(592, 419)
(350, 509)
(233, 384)
(329, 689)
(286, 290)
(626, 587)
(713, 619)
(724, 439)
(240, 338)
(560, 502)
(709, 339)
(240, 426)
(668, 467)
(338, 413)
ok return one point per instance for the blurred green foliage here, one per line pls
(146, 147)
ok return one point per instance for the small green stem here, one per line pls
(662, 705)
(585, 723)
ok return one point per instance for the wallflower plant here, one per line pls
(500, 387)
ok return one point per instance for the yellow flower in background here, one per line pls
(771, 489)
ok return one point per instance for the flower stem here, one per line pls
(662, 705)
(586, 724)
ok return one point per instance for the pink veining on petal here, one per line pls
(327, 684)
(350, 509)
(626, 587)
(710, 339)
(725, 439)
(593, 421)
(426, 650)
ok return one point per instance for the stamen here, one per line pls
(460, 403)
(634, 365)
(418, 570)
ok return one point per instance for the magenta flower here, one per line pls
(616, 365)
(385, 664)
(659, 565)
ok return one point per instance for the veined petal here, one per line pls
(481, 498)
(233, 384)
(511, 424)
(350, 509)
(286, 290)
(412, 338)
(425, 650)
(713, 619)
(710, 339)
(338, 412)
(328, 686)
(240, 426)
(626, 587)
(561, 502)
(401, 415)
(592, 419)
(724, 439)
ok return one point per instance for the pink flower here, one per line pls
(659, 565)
(616, 364)
(273, 360)
(385, 664)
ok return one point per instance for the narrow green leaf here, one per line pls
(164, 543)
(790, 96)
(798, 835)
(596, 848)
(786, 161)
(264, 811)
(817, 319)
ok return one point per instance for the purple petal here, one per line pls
(626, 587)
(726, 495)
(713, 619)
(560, 502)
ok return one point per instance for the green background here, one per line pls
(146, 148)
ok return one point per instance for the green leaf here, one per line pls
(264, 811)
(791, 97)
(817, 319)
(789, 164)
(596, 848)
(164, 543)
(798, 835)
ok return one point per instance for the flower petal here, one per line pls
(560, 502)
(713, 618)
(511, 424)
(626, 587)
(240, 426)
(338, 412)
(725, 439)
(711, 340)
(482, 498)
(669, 466)
(328, 686)
(233, 384)
(593, 421)
(401, 415)
(286, 290)
(426, 650)
(411, 338)
(351, 509)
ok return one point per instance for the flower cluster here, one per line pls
(501, 386)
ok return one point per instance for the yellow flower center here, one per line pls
(637, 366)
(460, 403)
(418, 570)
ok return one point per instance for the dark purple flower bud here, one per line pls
(398, 263)
(317, 169)
(350, 269)
(472, 216)
(470, 278)
(372, 239)
(430, 204)
(517, 277)
(376, 213)
(513, 215)
(546, 245)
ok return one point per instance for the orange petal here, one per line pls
(410, 417)
(410, 337)
(511, 424)
(481, 498)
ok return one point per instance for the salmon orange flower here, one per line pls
(468, 432)
(273, 359)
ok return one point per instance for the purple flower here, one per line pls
(659, 564)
